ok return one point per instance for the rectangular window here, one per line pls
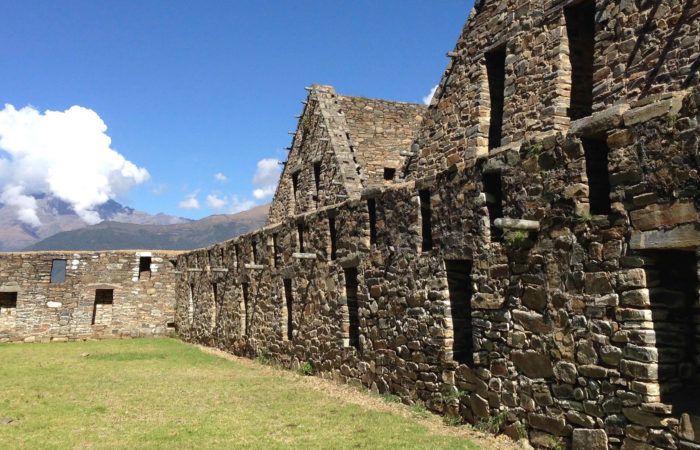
(58, 271)
(580, 29)
(8, 300)
(190, 304)
(372, 209)
(221, 255)
(254, 245)
(275, 251)
(289, 301)
(496, 71)
(317, 177)
(426, 213)
(102, 308)
(244, 309)
(295, 184)
(334, 237)
(237, 250)
(596, 152)
(459, 285)
(389, 173)
(215, 305)
(300, 237)
(353, 316)
(144, 267)
(493, 189)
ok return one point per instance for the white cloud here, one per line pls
(266, 178)
(64, 154)
(229, 205)
(215, 202)
(429, 98)
(159, 189)
(237, 205)
(220, 177)
(189, 202)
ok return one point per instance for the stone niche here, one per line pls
(672, 296)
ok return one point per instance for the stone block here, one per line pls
(589, 440)
(598, 283)
(639, 370)
(683, 236)
(535, 297)
(600, 122)
(487, 301)
(631, 279)
(663, 216)
(566, 372)
(646, 419)
(533, 364)
(637, 297)
(552, 425)
(651, 111)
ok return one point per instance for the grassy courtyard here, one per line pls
(161, 393)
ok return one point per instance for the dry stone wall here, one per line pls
(342, 145)
(578, 332)
(640, 48)
(106, 294)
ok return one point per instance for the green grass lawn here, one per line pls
(161, 393)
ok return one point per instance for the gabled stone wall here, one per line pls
(142, 303)
(642, 48)
(567, 315)
(342, 145)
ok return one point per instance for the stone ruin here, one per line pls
(525, 250)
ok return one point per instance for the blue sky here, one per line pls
(191, 89)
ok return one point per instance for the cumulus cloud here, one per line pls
(266, 178)
(189, 202)
(429, 98)
(220, 177)
(230, 205)
(237, 205)
(64, 154)
(215, 202)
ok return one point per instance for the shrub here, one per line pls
(516, 236)
(306, 369)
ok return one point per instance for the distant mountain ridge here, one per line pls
(111, 235)
(57, 216)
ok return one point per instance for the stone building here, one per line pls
(61, 296)
(533, 258)
(341, 146)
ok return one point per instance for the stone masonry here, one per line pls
(533, 260)
(525, 250)
(108, 294)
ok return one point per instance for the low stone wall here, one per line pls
(574, 331)
(99, 295)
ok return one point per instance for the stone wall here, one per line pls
(342, 145)
(641, 48)
(571, 323)
(100, 295)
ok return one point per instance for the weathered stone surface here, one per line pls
(142, 303)
(566, 372)
(651, 111)
(682, 236)
(533, 364)
(599, 122)
(660, 216)
(553, 425)
(589, 440)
